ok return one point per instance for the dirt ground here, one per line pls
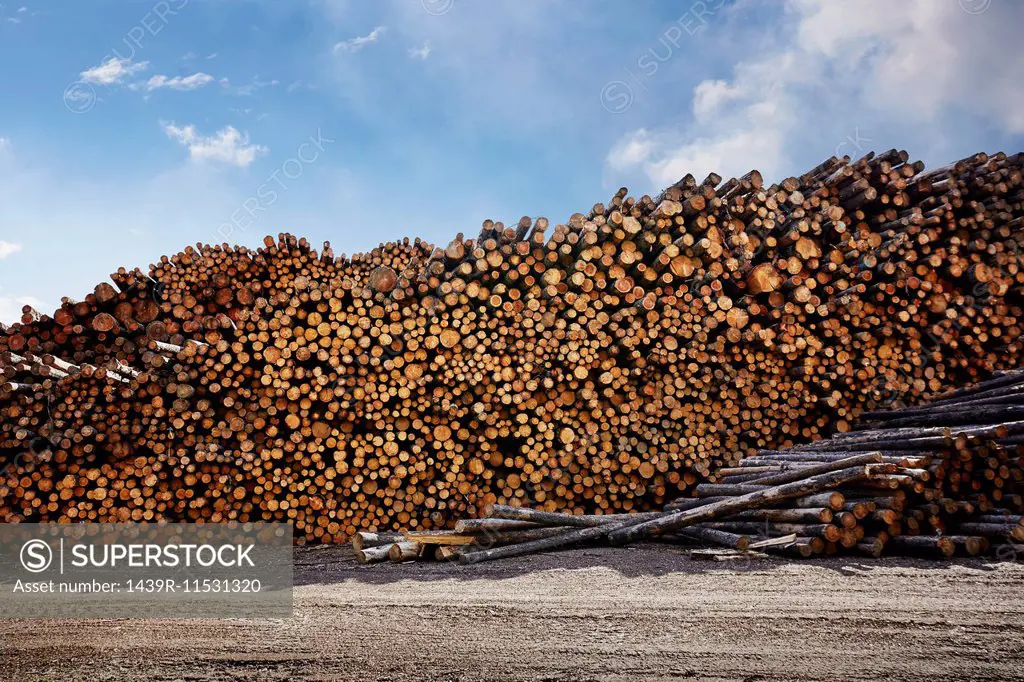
(643, 613)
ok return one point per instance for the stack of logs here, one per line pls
(936, 480)
(605, 365)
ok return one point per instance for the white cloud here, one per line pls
(12, 20)
(935, 55)
(22, 9)
(183, 83)
(113, 71)
(631, 150)
(908, 67)
(300, 85)
(226, 146)
(359, 42)
(421, 52)
(248, 89)
(212, 55)
(709, 95)
(8, 249)
(5, 144)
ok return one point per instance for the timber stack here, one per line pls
(935, 480)
(605, 365)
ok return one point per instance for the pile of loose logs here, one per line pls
(605, 365)
(935, 480)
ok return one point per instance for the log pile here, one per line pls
(934, 480)
(605, 365)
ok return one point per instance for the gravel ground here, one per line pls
(642, 613)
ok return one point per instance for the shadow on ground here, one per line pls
(318, 565)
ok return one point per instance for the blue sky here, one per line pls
(132, 128)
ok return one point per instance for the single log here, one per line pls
(991, 530)
(559, 541)
(373, 555)
(492, 524)
(498, 511)
(363, 539)
(404, 551)
(714, 536)
(921, 545)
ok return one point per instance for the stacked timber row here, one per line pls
(936, 480)
(605, 365)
